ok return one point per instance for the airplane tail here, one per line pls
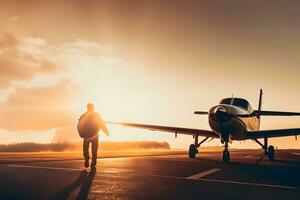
(260, 112)
(260, 105)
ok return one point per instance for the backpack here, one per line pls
(88, 125)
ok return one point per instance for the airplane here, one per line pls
(232, 119)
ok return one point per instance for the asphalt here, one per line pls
(249, 175)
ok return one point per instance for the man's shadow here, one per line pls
(84, 181)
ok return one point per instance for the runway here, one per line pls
(249, 175)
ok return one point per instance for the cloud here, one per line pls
(22, 59)
(15, 18)
(66, 134)
(82, 53)
(37, 84)
(7, 137)
(39, 108)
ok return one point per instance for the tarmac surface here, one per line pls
(249, 175)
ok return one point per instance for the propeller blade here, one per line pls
(200, 113)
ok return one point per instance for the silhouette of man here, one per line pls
(88, 127)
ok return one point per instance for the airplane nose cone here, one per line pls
(220, 114)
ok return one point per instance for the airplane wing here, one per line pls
(277, 113)
(273, 133)
(186, 131)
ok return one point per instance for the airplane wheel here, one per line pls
(192, 151)
(226, 156)
(271, 152)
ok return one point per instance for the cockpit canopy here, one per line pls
(242, 103)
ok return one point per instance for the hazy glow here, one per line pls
(151, 62)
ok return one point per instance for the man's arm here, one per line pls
(103, 125)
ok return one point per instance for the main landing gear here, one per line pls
(268, 150)
(193, 149)
(271, 153)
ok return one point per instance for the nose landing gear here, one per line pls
(224, 140)
(226, 154)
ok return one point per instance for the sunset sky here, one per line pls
(152, 62)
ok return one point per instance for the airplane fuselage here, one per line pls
(233, 121)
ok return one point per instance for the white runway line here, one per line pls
(52, 168)
(202, 174)
(253, 155)
(231, 182)
(297, 154)
(246, 183)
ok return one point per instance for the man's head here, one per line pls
(90, 107)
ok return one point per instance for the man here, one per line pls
(88, 127)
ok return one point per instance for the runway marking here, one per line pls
(231, 182)
(202, 174)
(253, 155)
(251, 184)
(59, 168)
(297, 154)
(52, 168)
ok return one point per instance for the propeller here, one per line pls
(200, 113)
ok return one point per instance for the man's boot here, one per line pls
(93, 164)
(86, 163)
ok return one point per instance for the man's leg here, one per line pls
(94, 151)
(86, 145)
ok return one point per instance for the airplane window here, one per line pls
(225, 101)
(237, 102)
(241, 103)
